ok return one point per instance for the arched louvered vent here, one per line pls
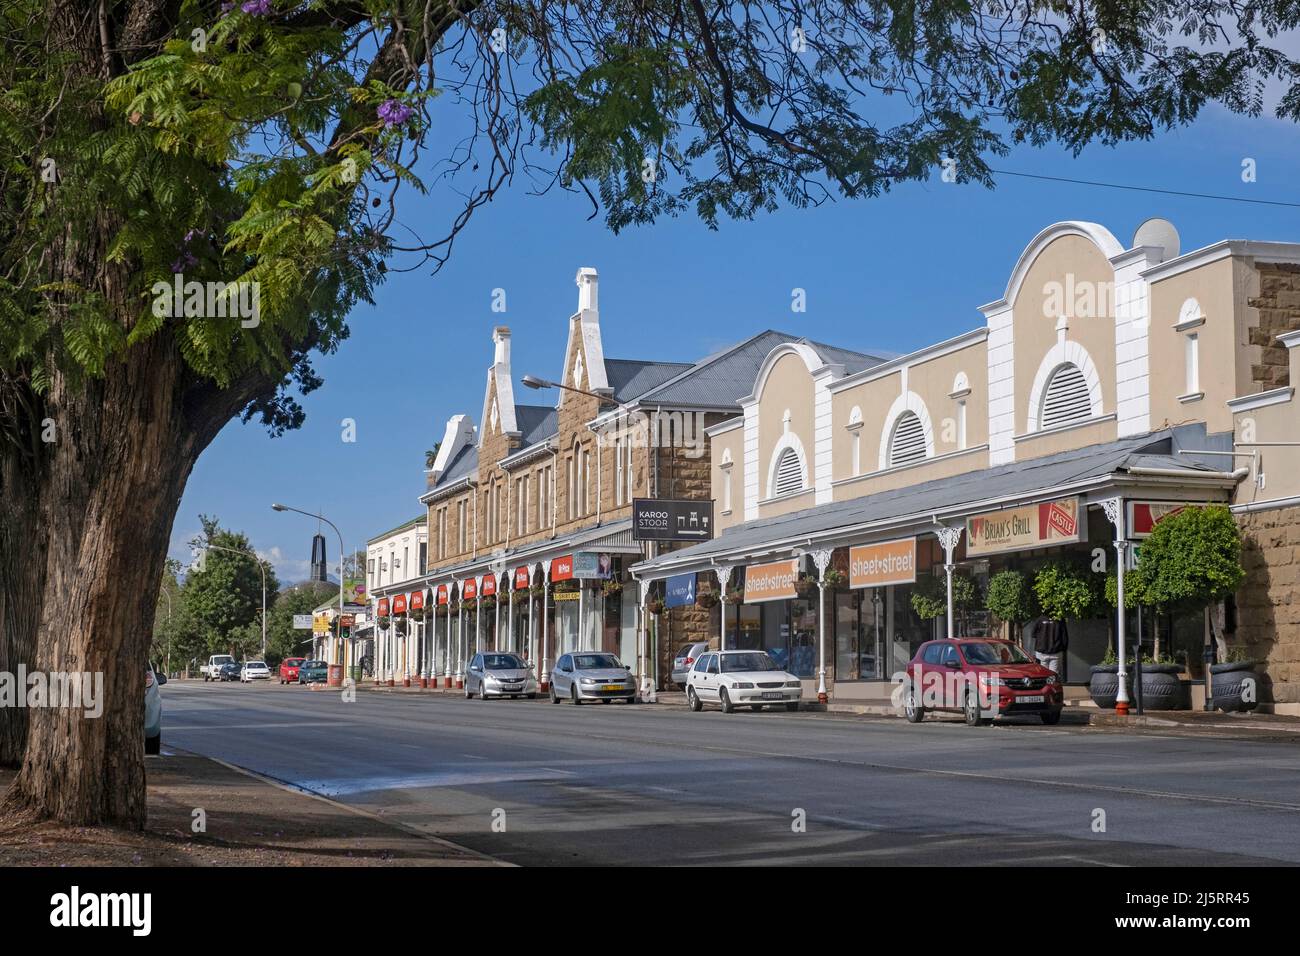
(789, 473)
(1066, 399)
(907, 443)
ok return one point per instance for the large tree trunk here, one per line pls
(114, 481)
(22, 574)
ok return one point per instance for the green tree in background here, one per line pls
(281, 639)
(223, 591)
(1011, 598)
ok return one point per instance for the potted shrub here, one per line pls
(930, 598)
(1191, 560)
(1234, 684)
(1011, 599)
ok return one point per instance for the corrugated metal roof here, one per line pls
(535, 423)
(725, 377)
(630, 377)
(465, 463)
(940, 495)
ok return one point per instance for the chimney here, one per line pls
(501, 338)
(588, 282)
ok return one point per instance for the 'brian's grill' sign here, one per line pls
(1017, 529)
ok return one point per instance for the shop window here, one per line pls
(789, 474)
(1066, 399)
(907, 441)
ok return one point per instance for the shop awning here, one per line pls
(1146, 465)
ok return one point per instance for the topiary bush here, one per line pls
(1066, 589)
(930, 597)
(1191, 559)
(1011, 598)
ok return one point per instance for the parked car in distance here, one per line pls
(313, 672)
(228, 671)
(289, 669)
(592, 675)
(212, 669)
(254, 670)
(734, 679)
(499, 675)
(981, 678)
(684, 660)
(152, 709)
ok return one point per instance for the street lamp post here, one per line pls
(318, 517)
(260, 567)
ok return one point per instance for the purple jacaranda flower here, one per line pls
(394, 113)
(184, 262)
(228, 6)
(257, 8)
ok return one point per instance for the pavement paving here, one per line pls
(533, 783)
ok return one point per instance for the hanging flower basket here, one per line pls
(567, 586)
(419, 614)
(440, 610)
(612, 587)
(488, 603)
(834, 579)
(805, 585)
(735, 596)
(655, 606)
(399, 625)
(537, 590)
(707, 599)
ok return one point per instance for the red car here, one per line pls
(981, 678)
(289, 669)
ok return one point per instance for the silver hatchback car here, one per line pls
(592, 675)
(499, 675)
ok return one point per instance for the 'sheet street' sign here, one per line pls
(671, 519)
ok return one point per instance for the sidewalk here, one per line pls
(250, 821)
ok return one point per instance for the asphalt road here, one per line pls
(534, 784)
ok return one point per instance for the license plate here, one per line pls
(772, 695)
(1030, 699)
(612, 687)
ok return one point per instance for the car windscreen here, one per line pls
(311, 664)
(586, 662)
(757, 661)
(495, 662)
(979, 652)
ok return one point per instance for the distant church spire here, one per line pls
(318, 572)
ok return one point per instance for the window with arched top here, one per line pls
(1066, 400)
(907, 441)
(789, 473)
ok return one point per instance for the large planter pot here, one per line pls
(1228, 683)
(1103, 685)
(1162, 689)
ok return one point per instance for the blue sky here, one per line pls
(925, 256)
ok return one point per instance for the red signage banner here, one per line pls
(417, 600)
(521, 578)
(1143, 516)
(468, 589)
(383, 607)
(399, 603)
(442, 594)
(489, 585)
(562, 568)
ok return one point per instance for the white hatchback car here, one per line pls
(734, 679)
(254, 670)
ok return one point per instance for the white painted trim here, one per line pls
(906, 402)
(1097, 234)
(839, 482)
(730, 425)
(926, 354)
(1094, 420)
(1290, 339)
(1191, 397)
(788, 440)
(786, 497)
(1063, 353)
(1274, 396)
(1245, 248)
(1190, 324)
(811, 360)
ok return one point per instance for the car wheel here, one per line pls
(468, 692)
(725, 699)
(792, 706)
(1051, 717)
(693, 700)
(756, 708)
(972, 711)
(914, 711)
(153, 745)
(573, 694)
(554, 699)
(605, 701)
